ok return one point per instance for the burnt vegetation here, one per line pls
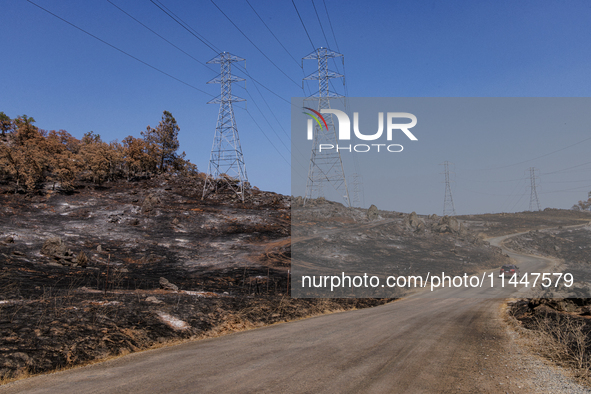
(559, 320)
(109, 248)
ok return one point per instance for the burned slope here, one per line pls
(142, 231)
(329, 239)
(125, 266)
(497, 224)
(559, 316)
(571, 247)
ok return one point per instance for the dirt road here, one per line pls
(416, 345)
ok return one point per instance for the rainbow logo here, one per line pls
(316, 118)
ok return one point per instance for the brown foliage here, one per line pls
(22, 157)
(64, 158)
(30, 156)
(583, 205)
(163, 140)
(138, 158)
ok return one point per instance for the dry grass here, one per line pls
(23, 374)
(562, 339)
(566, 341)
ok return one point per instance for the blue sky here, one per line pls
(68, 80)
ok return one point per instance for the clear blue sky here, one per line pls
(68, 80)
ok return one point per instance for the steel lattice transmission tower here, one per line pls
(533, 196)
(226, 163)
(356, 185)
(448, 202)
(326, 167)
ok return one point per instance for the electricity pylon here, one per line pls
(326, 167)
(448, 202)
(356, 185)
(226, 163)
(533, 195)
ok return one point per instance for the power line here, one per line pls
(320, 23)
(266, 88)
(302, 21)
(267, 137)
(273, 34)
(120, 50)
(126, 13)
(535, 158)
(568, 168)
(486, 193)
(338, 49)
(520, 198)
(489, 181)
(271, 127)
(581, 181)
(330, 24)
(249, 40)
(568, 190)
(185, 26)
(280, 43)
(193, 32)
(277, 120)
(513, 194)
(267, 120)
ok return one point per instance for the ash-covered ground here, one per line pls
(559, 317)
(130, 265)
(329, 239)
(571, 246)
(496, 224)
(559, 233)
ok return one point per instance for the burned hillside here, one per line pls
(124, 266)
(329, 239)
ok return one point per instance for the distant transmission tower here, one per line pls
(226, 162)
(356, 185)
(326, 167)
(448, 203)
(534, 202)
